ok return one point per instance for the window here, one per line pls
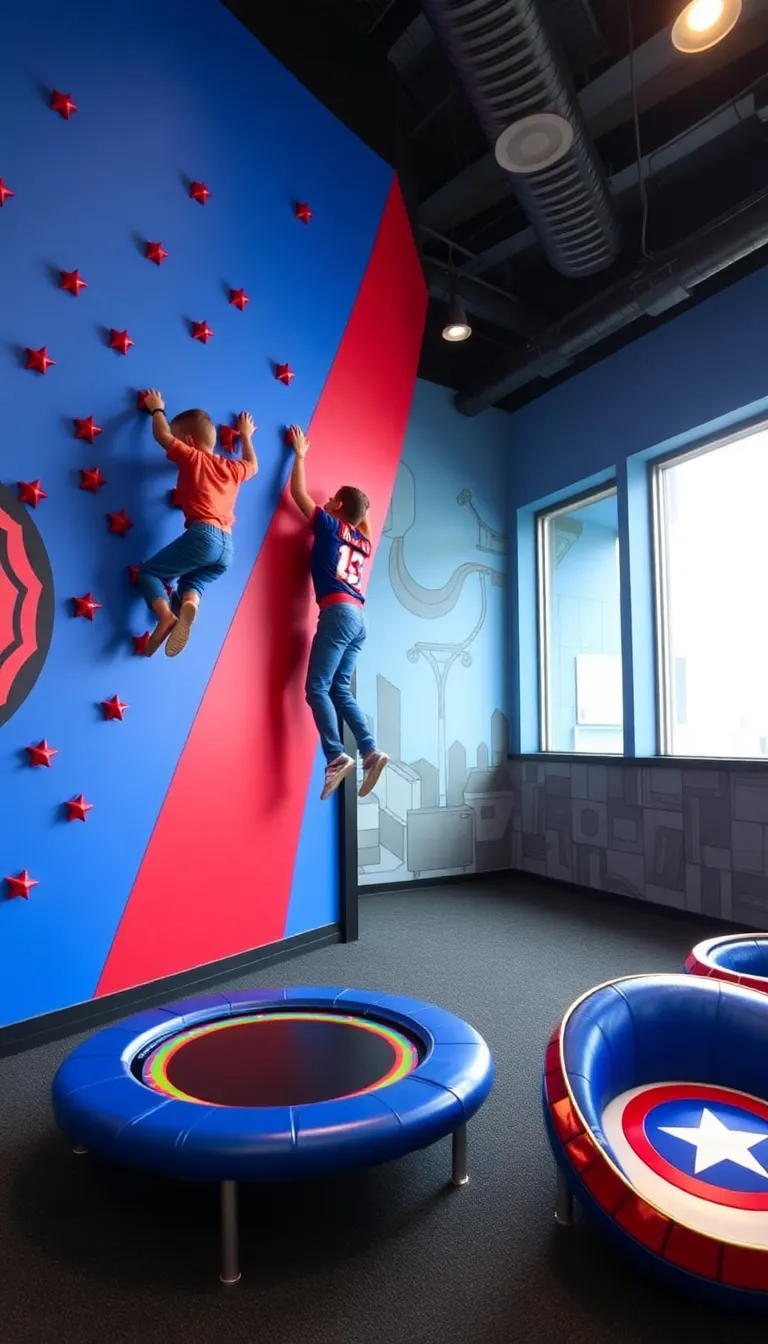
(580, 626)
(711, 610)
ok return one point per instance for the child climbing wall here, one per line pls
(233, 242)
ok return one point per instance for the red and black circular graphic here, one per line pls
(26, 604)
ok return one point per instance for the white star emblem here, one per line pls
(715, 1142)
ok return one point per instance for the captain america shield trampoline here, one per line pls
(656, 1108)
(741, 958)
(270, 1085)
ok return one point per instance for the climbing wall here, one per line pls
(179, 213)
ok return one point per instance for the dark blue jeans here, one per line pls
(341, 632)
(200, 555)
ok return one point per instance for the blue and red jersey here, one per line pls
(338, 555)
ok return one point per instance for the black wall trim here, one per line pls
(460, 879)
(86, 1016)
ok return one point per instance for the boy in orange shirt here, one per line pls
(206, 490)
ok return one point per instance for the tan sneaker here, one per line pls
(177, 640)
(374, 765)
(335, 773)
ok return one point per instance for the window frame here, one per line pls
(542, 519)
(660, 570)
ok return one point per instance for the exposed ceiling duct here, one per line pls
(658, 285)
(509, 66)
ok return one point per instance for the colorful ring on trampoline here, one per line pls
(656, 1107)
(741, 958)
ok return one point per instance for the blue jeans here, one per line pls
(341, 632)
(200, 555)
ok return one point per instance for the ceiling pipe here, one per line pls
(654, 288)
(510, 68)
(482, 299)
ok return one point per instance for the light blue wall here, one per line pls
(695, 377)
(437, 609)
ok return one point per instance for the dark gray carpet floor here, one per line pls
(391, 1255)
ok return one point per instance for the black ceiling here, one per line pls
(702, 137)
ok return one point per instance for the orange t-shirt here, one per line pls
(207, 486)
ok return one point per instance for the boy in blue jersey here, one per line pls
(342, 545)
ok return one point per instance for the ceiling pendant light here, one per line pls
(704, 23)
(456, 326)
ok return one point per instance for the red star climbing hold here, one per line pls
(228, 437)
(39, 361)
(21, 884)
(120, 341)
(199, 192)
(87, 429)
(140, 643)
(41, 754)
(133, 574)
(78, 808)
(63, 104)
(238, 298)
(86, 606)
(284, 374)
(70, 280)
(303, 212)
(156, 252)
(141, 401)
(114, 708)
(5, 193)
(202, 332)
(119, 523)
(31, 492)
(92, 479)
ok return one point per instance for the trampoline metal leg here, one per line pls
(459, 1174)
(230, 1257)
(563, 1202)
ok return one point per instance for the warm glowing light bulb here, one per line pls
(704, 23)
(457, 331)
(704, 14)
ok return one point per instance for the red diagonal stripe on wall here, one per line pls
(216, 876)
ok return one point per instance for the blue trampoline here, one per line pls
(741, 958)
(656, 1107)
(270, 1085)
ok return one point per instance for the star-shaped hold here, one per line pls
(141, 400)
(41, 754)
(202, 332)
(228, 438)
(87, 429)
(31, 492)
(133, 574)
(39, 361)
(114, 708)
(5, 193)
(70, 280)
(199, 192)
(284, 374)
(63, 104)
(155, 252)
(21, 884)
(715, 1142)
(92, 479)
(238, 298)
(119, 523)
(78, 808)
(140, 643)
(86, 606)
(120, 341)
(303, 212)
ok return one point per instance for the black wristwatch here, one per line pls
(159, 410)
